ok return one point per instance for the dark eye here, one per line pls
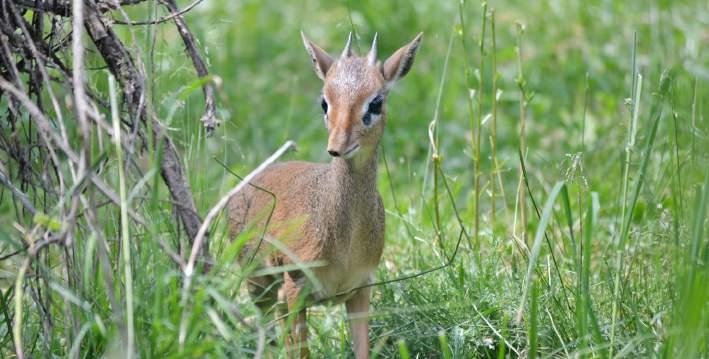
(323, 104)
(375, 107)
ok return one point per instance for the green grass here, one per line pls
(616, 186)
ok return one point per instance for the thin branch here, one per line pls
(39, 58)
(45, 128)
(132, 82)
(77, 48)
(162, 19)
(189, 269)
(64, 8)
(17, 193)
(209, 120)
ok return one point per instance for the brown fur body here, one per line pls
(333, 214)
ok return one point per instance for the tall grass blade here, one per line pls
(403, 350)
(655, 115)
(537, 244)
(445, 348)
(584, 303)
(533, 325)
(125, 238)
(690, 329)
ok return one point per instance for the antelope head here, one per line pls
(355, 92)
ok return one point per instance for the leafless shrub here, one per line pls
(53, 179)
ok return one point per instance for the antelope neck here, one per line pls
(357, 176)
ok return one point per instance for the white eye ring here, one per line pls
(373, 118)
(369, 118)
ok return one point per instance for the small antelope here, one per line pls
(330, 215)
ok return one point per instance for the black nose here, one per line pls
(333, 153)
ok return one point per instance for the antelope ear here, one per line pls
(399, 64)
(321, 59)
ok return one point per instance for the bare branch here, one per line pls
(63, 8)
(17, 193)
(29, 44)
(209, 120)
(45, 128)
(224, 200)
(78, 82)
(132, 82)
(166, 18)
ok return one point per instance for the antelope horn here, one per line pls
(347, 52)
(372, 56)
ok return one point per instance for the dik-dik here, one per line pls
(328, 215)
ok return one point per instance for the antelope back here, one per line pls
(355, 91)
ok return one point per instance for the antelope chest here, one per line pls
(356, 254)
